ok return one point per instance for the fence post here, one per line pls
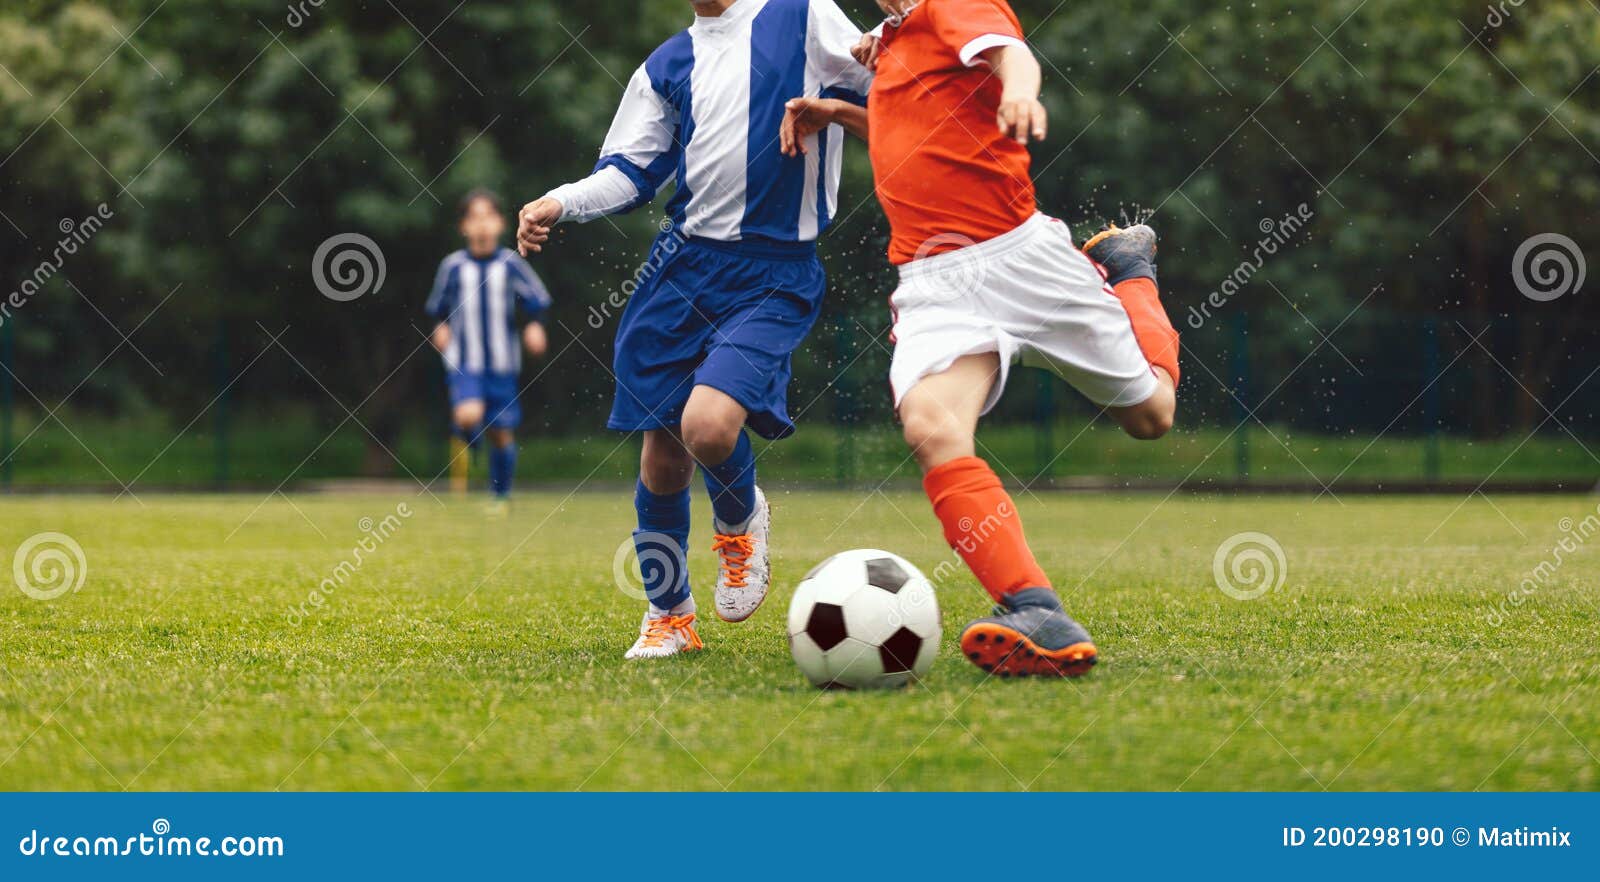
(6, 392)
(1241, 395)
(1430, 397)
(843, 410)
(220, 374)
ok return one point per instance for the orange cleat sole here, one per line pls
(1005, 652)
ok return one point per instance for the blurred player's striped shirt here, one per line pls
(704, 109)
(480, 298)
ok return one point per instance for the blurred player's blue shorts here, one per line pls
(720, 314)
(498, 392)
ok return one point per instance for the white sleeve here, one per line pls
(829, 38)
(638, 156)
(607, 191)
(978, 45)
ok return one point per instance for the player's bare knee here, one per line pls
(711, 434)
(501, 438)
(664, 465)
(933, 436)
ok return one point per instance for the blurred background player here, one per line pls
(986, 280)
(479, 295)
(734, 285)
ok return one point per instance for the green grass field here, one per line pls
(465, 654)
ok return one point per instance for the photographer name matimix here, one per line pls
(1524, 837)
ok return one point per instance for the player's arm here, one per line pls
(830, 42)
(441, 303)
(1020, 115)
(804, 117)
(635, 161)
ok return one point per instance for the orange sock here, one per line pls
(1151, 327)
(982, 525)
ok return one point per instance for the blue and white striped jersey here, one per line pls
(704, 110)
(480, 297)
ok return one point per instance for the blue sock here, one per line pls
(662, 544)
(502, 466)
(732, 484)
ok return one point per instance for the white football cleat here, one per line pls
(664, 634)
(745, 573)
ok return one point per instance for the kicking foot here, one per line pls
(1125, 253)
(664, 634)
(1029, 635)
(746, 570)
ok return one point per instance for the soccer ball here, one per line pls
(864, 619)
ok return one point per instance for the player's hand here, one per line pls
(866, 52)
(440, 337)
(897, 9)
(534, 339)
(802, 118)
(1022, 118)
(534, 223)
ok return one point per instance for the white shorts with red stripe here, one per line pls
(1029, 295)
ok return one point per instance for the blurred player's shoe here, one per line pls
(664, 634)
(498, 509)
(1029, 635)
(1125, 253)
(460, 465)
(746, 570)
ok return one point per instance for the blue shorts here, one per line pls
(720, 314)
(498, 392)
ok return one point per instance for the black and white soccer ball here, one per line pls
(864, 619)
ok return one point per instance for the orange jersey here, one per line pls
(945, 174)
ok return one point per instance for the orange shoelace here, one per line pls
(735, 552)
(658, 631)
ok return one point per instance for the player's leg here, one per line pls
(502, 466)
(1030, 634)
(713, 431)
(764, 306)
(504, 414)
(466, 418)
(1128, 258)
(661, 543)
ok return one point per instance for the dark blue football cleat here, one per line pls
(1029, 635)
(1124, 253)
